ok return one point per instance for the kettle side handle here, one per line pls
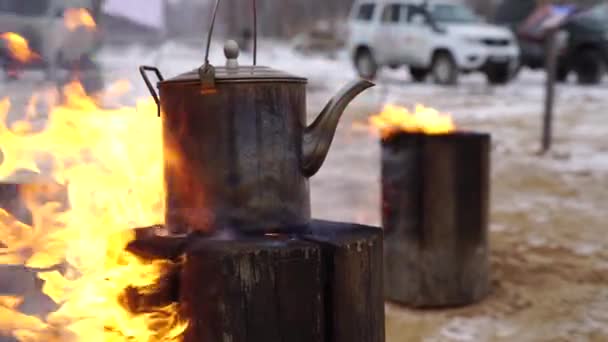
(142, 70)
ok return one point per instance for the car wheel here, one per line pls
(445, 70)
(366, 65)
(498, 74)
(589, 67)
(419, 74)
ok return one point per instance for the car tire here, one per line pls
(445, 71)
(419, 74)
(590, 67)
(366, 64)
(498, 74)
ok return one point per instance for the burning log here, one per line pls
(352, 259)
(435, 216)
(253, 289)
(325, 285)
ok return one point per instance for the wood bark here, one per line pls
(352, 260)
(252, 289)
(324, 285)
(435, 216)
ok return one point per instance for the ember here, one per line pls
(114, 183)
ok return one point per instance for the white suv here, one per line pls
(440, 37)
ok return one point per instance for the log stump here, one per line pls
(435, 215)
(352, 259)
(252, 289)
(324, 284)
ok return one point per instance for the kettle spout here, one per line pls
(320, 134)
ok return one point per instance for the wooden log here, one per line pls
(252, 289)
(435, 215)
(151, 244)
(352, 274)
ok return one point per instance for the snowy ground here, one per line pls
(548, 231)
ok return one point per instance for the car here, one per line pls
(440, 38)
(585, 34)
(53, 31)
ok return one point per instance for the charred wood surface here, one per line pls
(352, 261)
(253, 289)
(435, 216)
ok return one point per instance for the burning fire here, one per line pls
(18, 47)
(79, 17)
(110, 162)
(423, 120)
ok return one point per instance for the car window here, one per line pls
(391, 13)
(449, 13)
(4, 6)
(599, 13)
(366, 12)
(32, 8)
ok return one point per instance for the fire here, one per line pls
(18, 47)
(110, 163)
(423, 120)
(75, 18)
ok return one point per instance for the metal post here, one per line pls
(551, 68)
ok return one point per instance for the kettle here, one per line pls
(238, 153)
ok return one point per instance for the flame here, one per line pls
(423, 120)
(75, 18)
(110, 164)
(18, 47)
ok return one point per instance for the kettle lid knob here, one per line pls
(231, 51)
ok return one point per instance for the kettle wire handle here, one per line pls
(255, 33)
(142, 71)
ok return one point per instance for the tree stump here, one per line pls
(352, 259)
(435, 216)
(323, 285)
(252, 289)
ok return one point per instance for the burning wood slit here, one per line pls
(435, 192)
(322, 285)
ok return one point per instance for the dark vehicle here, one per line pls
(585, 50)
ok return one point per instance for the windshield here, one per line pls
(599, 13)
(448, 13)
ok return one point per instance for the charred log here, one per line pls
(435, 216)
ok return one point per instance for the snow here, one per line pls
(548, 223)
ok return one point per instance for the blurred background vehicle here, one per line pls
(60, 32)
(440, 38)
(585, 35)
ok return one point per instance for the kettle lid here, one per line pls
(232, 72)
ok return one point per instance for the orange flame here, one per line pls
(110, 163)
(75, 18)
(423, 120)
(18, 47)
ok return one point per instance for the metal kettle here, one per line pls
(238, 153)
